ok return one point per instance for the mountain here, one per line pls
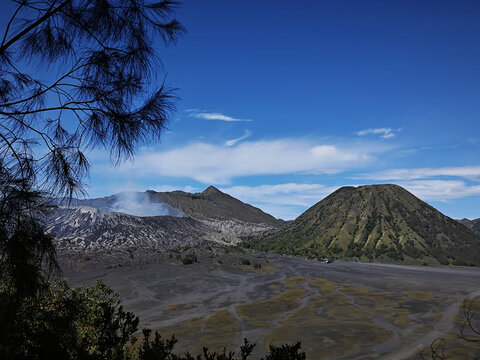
(208, 204)
(85, 227)
(156, 220)
(214, 204)
(375, 222)
(473, 225)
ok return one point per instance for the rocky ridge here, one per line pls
(186, 220)
(473, 225)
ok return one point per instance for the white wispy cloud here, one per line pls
(467, 172)
(169, 188)
(207, 115)
(440, 190)
(385, 133)
(245, 135)
(214, 164)
(281, 194)
(285, 201)
(433, 183)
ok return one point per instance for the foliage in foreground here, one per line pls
(89, 323)
(59, 322)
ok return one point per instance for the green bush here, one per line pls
(59, 322)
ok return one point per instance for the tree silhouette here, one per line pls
(103, 52)
(469, 334)
(109, 92)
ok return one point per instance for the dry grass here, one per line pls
(326, 338)
(179, 307)
(271, 309)
(219, 330)
(419, 295)
(331, 320)
(294, 281)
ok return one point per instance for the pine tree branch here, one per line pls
(49, 13)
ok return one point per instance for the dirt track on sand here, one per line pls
(402, 309)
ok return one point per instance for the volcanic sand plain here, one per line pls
(342, 310)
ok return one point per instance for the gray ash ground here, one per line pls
(403, 308)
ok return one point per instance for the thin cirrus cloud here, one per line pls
(385, 133)
(281, 194)
(285, 201)
(440, 190)
(207, 115)
(169, 188)
(433, 183)
(216, 164)
(233, 142)
(467, 172)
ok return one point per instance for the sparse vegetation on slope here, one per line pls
(377, 222)
(473, 225)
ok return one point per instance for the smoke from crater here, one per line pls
(139, 204)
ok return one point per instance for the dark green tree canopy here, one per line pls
(76, 74)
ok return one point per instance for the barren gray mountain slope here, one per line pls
(183, 219)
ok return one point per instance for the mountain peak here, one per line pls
(211, 190)
(376, 222)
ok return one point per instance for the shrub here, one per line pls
(59, 322)
(189, 259)
(244, 261)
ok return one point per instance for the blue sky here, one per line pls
(283, 102)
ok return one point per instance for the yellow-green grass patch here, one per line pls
(219, 331)
(176, 307)
(400, 318)
(372, 301)
(187, 333)
(294, 281)
(328, 338)
(418, 295)
(325, 286)
(271, 309)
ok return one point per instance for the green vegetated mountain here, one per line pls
(213, 204)
(375, 222)
(473, 225)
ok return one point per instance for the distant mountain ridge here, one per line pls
(375, 222)
(473, 225)
(208, 204)
(214, 204)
